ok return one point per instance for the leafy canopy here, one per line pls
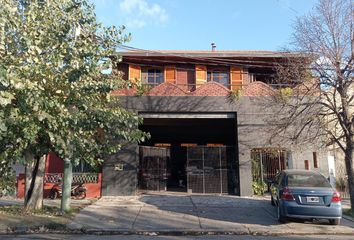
(53, 95)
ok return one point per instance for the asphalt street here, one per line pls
(139, 237)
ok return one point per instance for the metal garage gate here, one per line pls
(211, 170)
(153, 173)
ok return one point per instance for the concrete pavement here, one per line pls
(193, 214)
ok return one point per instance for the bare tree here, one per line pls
(319, 103)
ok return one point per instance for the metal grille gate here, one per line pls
(207, 170)
(153, 173)
(266, 163)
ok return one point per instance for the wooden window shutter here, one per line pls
(200, 75)
(236, 78)
(134, 73)
(170, 74)
(315, 161)
(307, 166)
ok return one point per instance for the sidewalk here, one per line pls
(193, 214)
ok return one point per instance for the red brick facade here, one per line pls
(208, 89)
(258, 89)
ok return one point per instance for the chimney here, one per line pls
(213, 47)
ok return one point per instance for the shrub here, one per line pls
(259, 187)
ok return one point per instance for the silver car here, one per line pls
(305, 194)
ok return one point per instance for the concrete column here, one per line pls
(245, 172)
(119, 173)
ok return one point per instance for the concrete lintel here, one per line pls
(189, 115)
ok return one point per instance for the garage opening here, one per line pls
(194, 155)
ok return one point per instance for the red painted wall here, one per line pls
(93, 189)
(20, 185)
(54, 164)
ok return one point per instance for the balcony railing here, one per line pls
(192, 87)
(207, 89)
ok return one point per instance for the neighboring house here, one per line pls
(208, 125)
(336, 160)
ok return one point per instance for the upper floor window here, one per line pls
(222, 77)
(152, 75)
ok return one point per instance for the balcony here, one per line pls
(208, 89)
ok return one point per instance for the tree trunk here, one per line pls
(29, 158)
(34, 185)
(348, 157)
(66, 190)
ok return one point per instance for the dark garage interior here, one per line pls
(200, 154)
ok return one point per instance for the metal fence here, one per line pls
(77, 177)
(341, 180)
(266, 163)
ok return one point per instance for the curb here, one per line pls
(347, 217)
(157, 233)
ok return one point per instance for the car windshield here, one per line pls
(307, 180)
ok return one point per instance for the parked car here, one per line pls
(305, 194)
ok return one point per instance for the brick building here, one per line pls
(208, 125)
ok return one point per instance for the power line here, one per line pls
(223, 61)
(217, 60)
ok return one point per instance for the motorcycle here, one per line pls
(78, 191)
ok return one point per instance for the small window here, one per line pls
(162, 144)
(222, 77)
(307, 167)
(152, 75)
(315, 162)
(189, 144)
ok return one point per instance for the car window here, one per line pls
(307, 180)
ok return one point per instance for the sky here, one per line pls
(195, 24)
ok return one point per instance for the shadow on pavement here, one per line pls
(221, 208)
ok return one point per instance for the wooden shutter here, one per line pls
(315, 162)
(307, 166)
(170, 74)
(200, 75)
(134, 73)
(236, 78)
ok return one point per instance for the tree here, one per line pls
(53, 94)
(321, 107)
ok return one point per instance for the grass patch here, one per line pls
(49, 217)
(349, 212)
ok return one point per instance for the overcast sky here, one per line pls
(195, 24)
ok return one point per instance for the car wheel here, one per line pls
(334, 221)
(272, 201)
(280, 216)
